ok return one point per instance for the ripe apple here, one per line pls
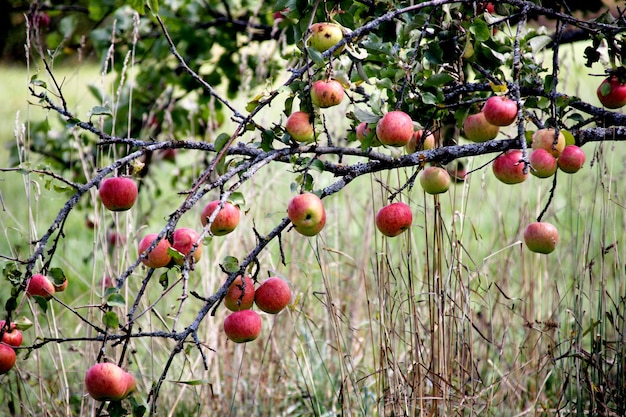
(226, 219)
(108, 382)
(541, 237)
(118, 193)
(395, 128)
(12, 336)
(183, 240)
(571, 159)
(299, 126)
(306, 212)
(509, 167)
(500, 110)
(477, 129)
(159, 256)
(242, 326)
(7, 358)
(273, 295)
(612, 93)
(363, 130)
(327, 93)
(324, 36)
(420, 142)
(115, 238)
(544, 138)
(435, 180)
(240, 294)
(394, 218)
(40, 285)
(543, 164)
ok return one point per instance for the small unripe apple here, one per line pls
(394, 218)
(40, 285)
(242, 326)
(543, 164)
(327, 93)
(500, 110)
(299, 127)
(226, 219)
(420, 140)
(240, 294)
(118, 193)
(363, 130)
(324, 36)
(477, 129)
(395, 128)
(306, 212)
(273, 295)
(7, 358)
(108, 382)
(435, 180)
(509, 167)
(183, 240)
(571, 159)
(544, 139)
(159, 256)
(12, 336)
(541, 237)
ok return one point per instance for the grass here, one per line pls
(453, 318)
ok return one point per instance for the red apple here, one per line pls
(435, 180)
(571, 159)
(159, 256)
(327, 93)
(299, 127)
(118, 193)
(420, 140)
(509, 167)
(394, 218)
(240, 294)
(108, 382)
(395, 128)
(544, 138)
(500, 110)
(477, 129)
(306, 212)
(612, 93)
(12, 336)
(242, 326)
(273, 295)
(183, 240)
(541, 237)
(324, 36)
(363, 130)
(115, 238)
(7, 358)
(40, 285)
(542, 163)
(226, 219)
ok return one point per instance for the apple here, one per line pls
(420, 140)
(242, 326)
(544, 138)
(612, 93)
(394, 218)
(509, 167)
(500, 110)
(306, 212)
(183, 240)
(395, 128)
(363, 130)
(324, 36)
(108, 382)
(226, 219)
(7, 358)
(571, 159)
(435, 180)
(541, 237)
(327, 93)
(273, 295)
(159, 256)
(477, 129)
(457, 171)
(40, 285)
(115, 238)
(299, 126)
(118, 193)
(240, 294)
(543, 164)
(12, 336)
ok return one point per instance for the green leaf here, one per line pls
(230, 264)
(237, 198)
(43, 303)
(316, 56)
(569, 138)
(538, 43)
(100, 111)
(38, 83)
(221, 141)
(438, 80)
(317, 165)
(57, 275)
(193, 382)
(138, 5)
(111, 320)
(153, 5)
(480, 30)
(267, 137)
(174, 253)
(365, 116)
(72, 122)
(116, 300)
(11, 304)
